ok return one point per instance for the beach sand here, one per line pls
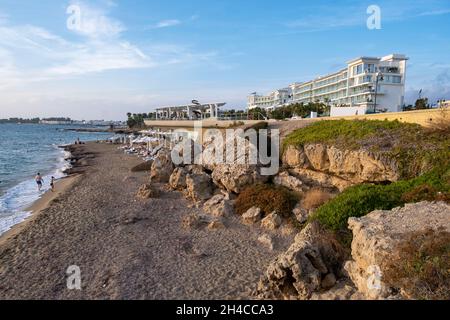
(126, 248)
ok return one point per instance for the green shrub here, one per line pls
(268, 198)
(360, 200)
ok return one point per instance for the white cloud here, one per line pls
(166, 24)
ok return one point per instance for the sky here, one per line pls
(100, 59)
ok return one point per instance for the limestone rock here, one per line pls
(218, 206)
(271, 222)
(252, 216)
(301, 214)
(199, 186)
(216, 224)
(234, 178)
(333, 165)
(162, 167)
(147, 191)
(288, 181)
(377, 235)
(298, 273)
(267, 241)
(177, 180)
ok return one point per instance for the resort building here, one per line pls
(273, 100)
(366, 84)
(195, 111)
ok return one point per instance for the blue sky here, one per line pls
(136, 55)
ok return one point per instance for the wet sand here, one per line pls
(126, 248)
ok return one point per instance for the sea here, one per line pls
(25, 150)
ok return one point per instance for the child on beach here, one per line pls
(39, 181)
(52, 184)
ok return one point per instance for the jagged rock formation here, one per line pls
(162, 167)
(376, 236)
(234, 178)
(305, 268)
(330, 166)
(219, 206)
(199, 186)
(147, 191)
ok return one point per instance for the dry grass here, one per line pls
(314, 198)
(442, 124)
(268, 198)
(425, 192)
(421, 266)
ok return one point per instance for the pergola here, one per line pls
(189, 112)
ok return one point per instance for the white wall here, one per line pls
(347, 111)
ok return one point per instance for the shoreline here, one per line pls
(62, 186)
(128, 248)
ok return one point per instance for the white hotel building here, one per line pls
(349, 91)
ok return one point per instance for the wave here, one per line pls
(16, 200)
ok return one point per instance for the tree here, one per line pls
(422, 103)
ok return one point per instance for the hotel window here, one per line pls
(370, 68)
(358, 69)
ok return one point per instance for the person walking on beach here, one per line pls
(39, 181)
(52, 184)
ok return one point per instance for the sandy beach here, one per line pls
(126, 248)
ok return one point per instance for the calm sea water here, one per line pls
(24, 151)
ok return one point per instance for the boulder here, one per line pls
(271, 222)
(218, 206)
(377, 235)
(267, 241)
(162, 167)
(288, 181)
(147, 191)
(216, 225)
(234, 178)
(252, 216)
(177, 180)
(301, 214)
(199, 186)
(298, 273)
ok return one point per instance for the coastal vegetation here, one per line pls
(294, 110)
(421, 156)
(420, 266)
(268, 198)
(136, 120)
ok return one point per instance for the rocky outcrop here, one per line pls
(162, 167)
(147, 191)
(308, 266)
(252, 216)
(234, 178)
(199, 186)
(286, 180)
(340, 168)
(219, 206)
(177, 180)
(271, 222)
(377, 235)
